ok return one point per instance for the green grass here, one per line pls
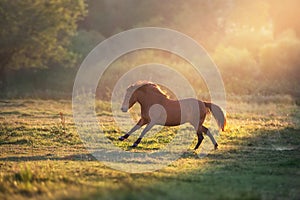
(42, 158)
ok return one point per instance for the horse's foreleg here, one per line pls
(147, 128)
(136, 127)
(207, 132)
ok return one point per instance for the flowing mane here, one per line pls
(149, 85)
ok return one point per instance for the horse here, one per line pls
(157, 108)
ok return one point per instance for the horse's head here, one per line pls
(141, 91)
(130, 99)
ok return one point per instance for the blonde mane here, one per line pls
(149, 85)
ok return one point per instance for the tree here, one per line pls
(36, 33)
(199, 19)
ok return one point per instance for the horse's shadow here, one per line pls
(72, 157)
(83, 156)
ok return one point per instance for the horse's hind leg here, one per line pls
(136, 127)
(207, 132)
(199, 130)
(200, 138)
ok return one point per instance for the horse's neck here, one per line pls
(150, 99)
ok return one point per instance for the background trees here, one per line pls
(254, 43)
(36, 33)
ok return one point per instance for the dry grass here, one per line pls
(43, 157)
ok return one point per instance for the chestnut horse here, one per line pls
(158, 109)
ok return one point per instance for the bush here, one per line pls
(238, 68)
(235, 61)
(281, 58)
(84, 41)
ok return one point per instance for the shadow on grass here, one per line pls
(72, 157)
(16, 142)
(263, 166)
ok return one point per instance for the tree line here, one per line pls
(255, 43)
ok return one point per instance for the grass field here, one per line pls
(44, 158)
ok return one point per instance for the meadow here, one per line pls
(42, 156)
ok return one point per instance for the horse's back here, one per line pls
(193, 110)
(178, 112)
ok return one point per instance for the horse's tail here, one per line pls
(217, 113)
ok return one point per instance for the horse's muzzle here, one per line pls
(124, 109)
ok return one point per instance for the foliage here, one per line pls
(84, 41)
(248, 40)
(111, 17)
(232, 60)
(35, 33)
(280, 59)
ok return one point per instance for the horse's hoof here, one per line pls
(124, 137)
(216, 146)
(134, 145)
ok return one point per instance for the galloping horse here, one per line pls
(158, 109)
